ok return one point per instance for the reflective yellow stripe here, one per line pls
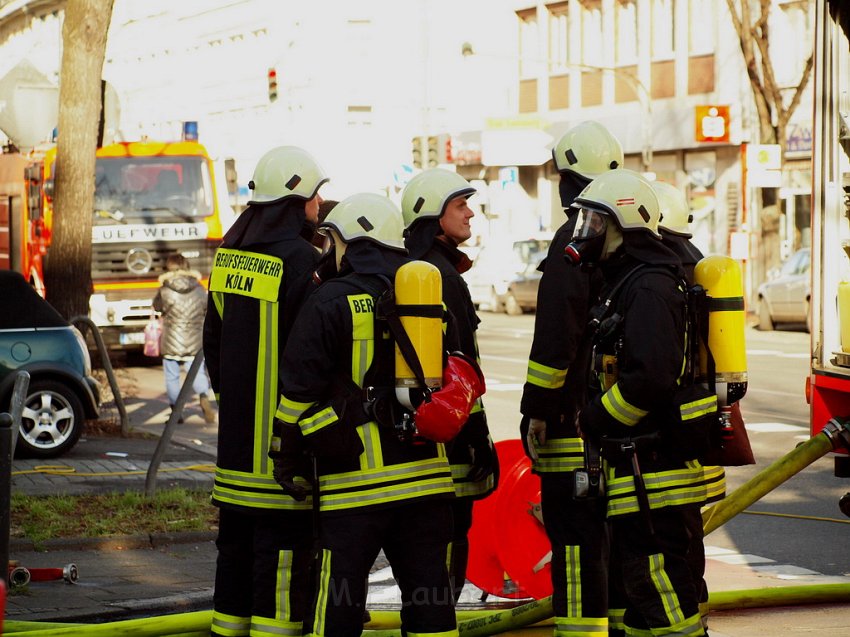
(283, 587)
(572, 568)
(289, 411)
(249, 274)
(391, 483)
(322, 595)
(545, 376)
(255, 491)
(318, 421)
(559, 455)
(230, 625)
(715, 483)
(615, 618)
(664, 588)
(581, 627)
(372, 456)
(363, 335)
(620, 408)
(267, 627)
(218, 301)
(698, 408)
(266, 388)
(664, 488)
(464, 487)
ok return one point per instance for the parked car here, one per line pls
(785, 297)
(522, 288)
(499, 265)
(62, 393)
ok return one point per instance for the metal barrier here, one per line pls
(107, 367)
(176, 413)
(10, 423)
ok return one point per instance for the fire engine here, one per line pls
(151, 199)
(828, 385)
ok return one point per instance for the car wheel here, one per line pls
(495, 301)
(512, 307)
(51, 422)
(765, 321)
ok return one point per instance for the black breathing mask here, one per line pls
(588, 240)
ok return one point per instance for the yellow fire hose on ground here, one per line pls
(834, 436)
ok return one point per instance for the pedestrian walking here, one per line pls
(182, 302)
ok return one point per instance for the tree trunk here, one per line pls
(67, 274)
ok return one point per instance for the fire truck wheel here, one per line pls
(52, 420)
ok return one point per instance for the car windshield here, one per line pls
(158, 187)
(798, 263)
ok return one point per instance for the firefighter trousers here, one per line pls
(577, 531)
(661, 586)
(459, 548)
(414, 536)
(262, 577)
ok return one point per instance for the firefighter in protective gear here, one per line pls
(436, 217)
(554, 390)
(260, 276)
(375, 491)
(674, 226)
(653, 487)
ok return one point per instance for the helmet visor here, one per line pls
(589, 224)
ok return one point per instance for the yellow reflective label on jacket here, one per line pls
(246, 273)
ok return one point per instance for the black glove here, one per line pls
(284, 470)
(592, 422)
(289, 460)
(484, 459)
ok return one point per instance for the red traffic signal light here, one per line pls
(272, 85)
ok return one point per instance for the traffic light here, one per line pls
(416, 152)
(272, 85)
(439, 150)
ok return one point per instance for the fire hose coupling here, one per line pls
(838, 432)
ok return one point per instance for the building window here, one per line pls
(627, 29)
(529, 38)
(701, 27)
(559, 53)
(663, 36)
(591, 33)
(792, 26)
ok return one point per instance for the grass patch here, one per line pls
(39, 518)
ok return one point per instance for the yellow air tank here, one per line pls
(419, 299)
(723, 283)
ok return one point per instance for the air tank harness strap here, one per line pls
(388, 311)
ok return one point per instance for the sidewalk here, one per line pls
(141, 576)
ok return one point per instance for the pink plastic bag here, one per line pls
(153, 333)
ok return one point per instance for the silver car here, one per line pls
(785, 298)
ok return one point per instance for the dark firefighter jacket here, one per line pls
(556, 381)
(458, 302)
(689, 255)
(633, 398)
(336, 351)
(260, 276)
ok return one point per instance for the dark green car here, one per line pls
(62, 393)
